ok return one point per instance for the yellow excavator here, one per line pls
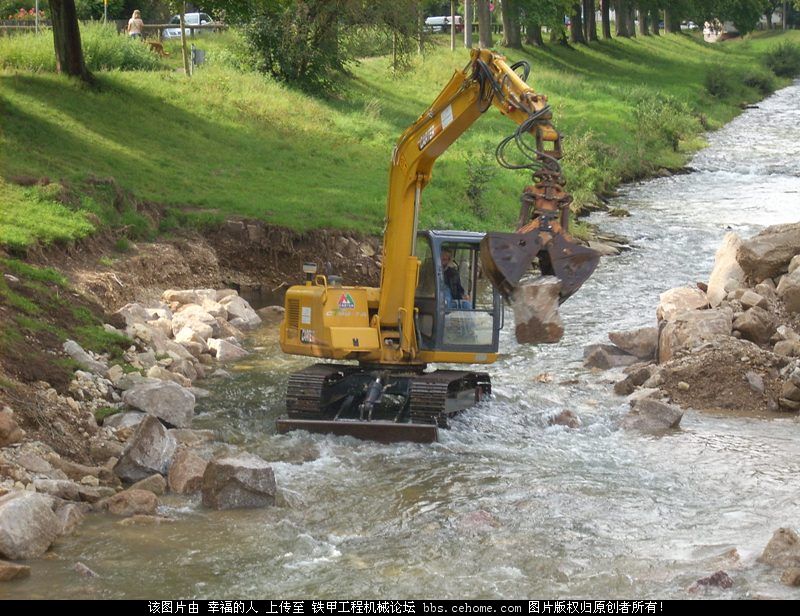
(440, 298)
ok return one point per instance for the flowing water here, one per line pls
(504, 506)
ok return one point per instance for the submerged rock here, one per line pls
(242, 481)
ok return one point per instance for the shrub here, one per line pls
(762, 81)
(784, 60)
(481, 169)
(721, 81)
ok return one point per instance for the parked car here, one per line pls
(442, 23)
(190, 19)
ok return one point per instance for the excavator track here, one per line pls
(326, 398)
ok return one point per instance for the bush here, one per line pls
(784, 60)
(762, 81)
(481, 169)
(103, 48)
(721, 81)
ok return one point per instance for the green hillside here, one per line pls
(228, 142)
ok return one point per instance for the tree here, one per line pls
(643, 28)
(770, 7)
(512, 36)
(67, 40)
(576, 25)
(589, 21)
(621, 18)
(605, 18)
(484, 23)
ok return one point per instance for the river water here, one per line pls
(504, 506)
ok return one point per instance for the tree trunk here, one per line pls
(671, 23)
(630, 24)
(468, 24)
(452, 25)
(643, 29)
(656, 17)
(589, 20)
(620, 22)
(67, 40)
(605, 16)
(533, 34)
(420, 29)
(187, 68)
(768, 15)
(576, 25)
(512, 37)
(484, 24)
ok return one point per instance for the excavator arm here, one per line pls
(542, 229)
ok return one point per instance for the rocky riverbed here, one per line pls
(121, 436)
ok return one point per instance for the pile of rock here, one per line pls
(140, 454)
(732, 343)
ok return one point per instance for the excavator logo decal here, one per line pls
(346, 302)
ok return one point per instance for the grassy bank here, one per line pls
(235, 143)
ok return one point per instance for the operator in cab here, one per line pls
(454, 294)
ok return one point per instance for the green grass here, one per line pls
(103, 49)
(231, 142)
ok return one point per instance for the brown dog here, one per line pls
(157, 47)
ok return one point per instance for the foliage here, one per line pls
(103, 49)
(298, 161)
(94, 9)
(22, 10)
(306, 42)
(481, 170)
(760, 80)
(784, 59)
(721, 81)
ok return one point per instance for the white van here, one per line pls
(189, 19)
(442, 23)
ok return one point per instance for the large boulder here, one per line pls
(186, 472)
(789, 291)
(681, 299)
(149, 450)
(606, 356)
(188, 296)
(131, 502)
(640, 342)
(783, 549)
(536, 315)
(240, 313)
(726, 268)
(690, 329)
(60, 488)
(756, 325)
(226, 351)
(165, 399)
(768, 254)
(239, 482)
(652, 417)
(130, 314)
(10, 432)
(13, 571)
(28, 525)
(86, 361)
(196, 319)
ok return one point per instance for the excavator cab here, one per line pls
(457, 307)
